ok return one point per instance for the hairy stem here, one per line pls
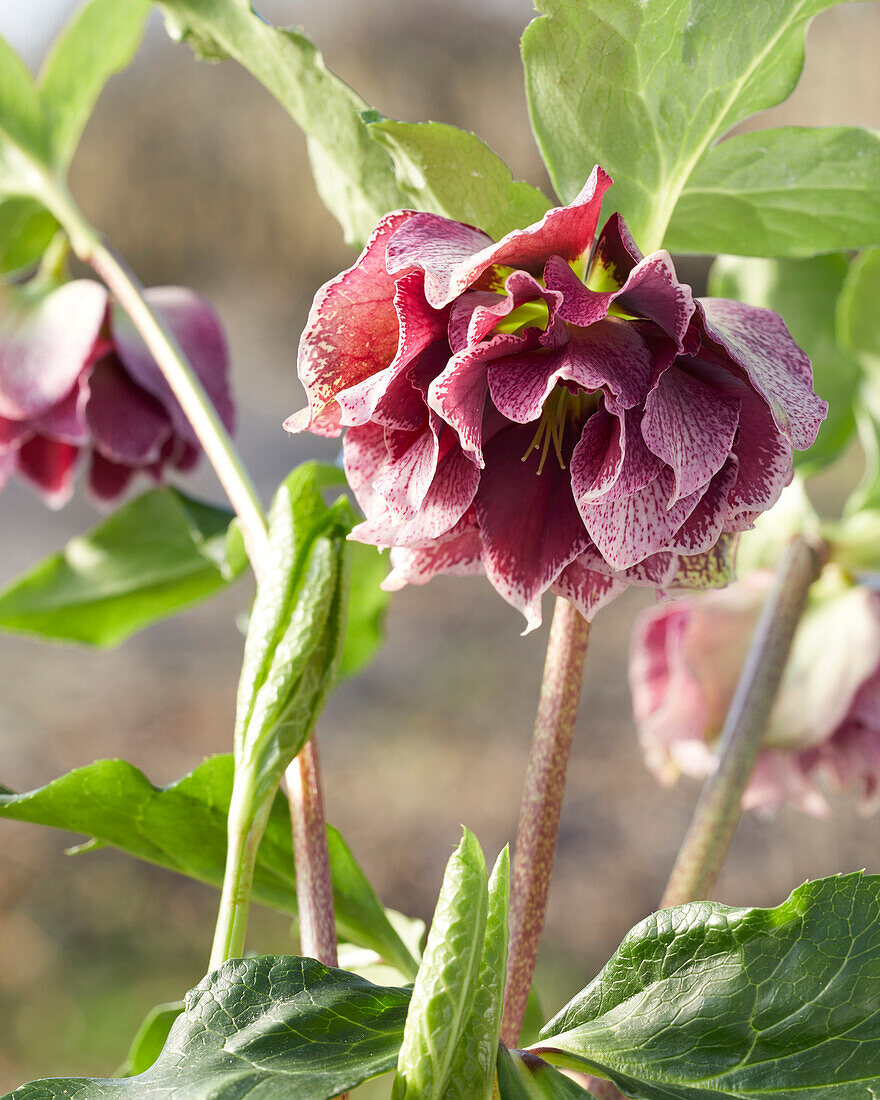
(93, 250)
(314, 890)
(715, 818)
(542, 806)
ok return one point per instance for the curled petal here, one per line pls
(454, 256)
(49, 465)
(611, 461)
(197, 329)
(703, 527)
(759, 342)
(587, 589)
(691, 426)
(458, 553)
(45, 343)
(128, 426)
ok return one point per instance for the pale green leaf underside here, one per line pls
(183, 827)
(703, 1002)
(646, 87)
(524, 1077)
(451, 172)
(789, 192)
(272, 1028)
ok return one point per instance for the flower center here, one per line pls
(562, 408)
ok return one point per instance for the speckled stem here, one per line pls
(718, 811)
(542, 806)
(314, 890)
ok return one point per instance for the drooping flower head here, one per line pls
(557, 414)
(77, 383)
(685, 660)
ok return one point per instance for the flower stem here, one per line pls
(542, 806)
(314, 889)
(95, 251)
(718, 810)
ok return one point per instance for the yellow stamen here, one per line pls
(561, 408)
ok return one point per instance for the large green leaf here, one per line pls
(355, 175)
(794, 191)
(473, 1070)
(703, 1001)
(157, 554)
(449, 171)
(447, 980)
(273, 1027)
(805, 293)
(100, 40)
(522, 1076)
(183, 827)
(646, 87)
(858, 328)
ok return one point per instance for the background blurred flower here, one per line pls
(685, 660)
(556, 416)
(77, 381)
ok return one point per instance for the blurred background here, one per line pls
(200, 178)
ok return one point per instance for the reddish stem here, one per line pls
(542, 807)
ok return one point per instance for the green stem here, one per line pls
(718, 810)
(245, 830)
(542, 807)
(126, 288)
(95, 251)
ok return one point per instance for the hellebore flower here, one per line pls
(555, 415)
(77, 381)
(685, 660)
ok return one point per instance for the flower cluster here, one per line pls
(557, 414)
(77, 381)
(685, 660)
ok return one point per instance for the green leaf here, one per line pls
(858, 320)
(354, 175)
(26, 231)
(473, 1071)
(805, 293)
(148, 1043)
(646, 87)
(157, 554)
(703, 1001)
(183, 827)
(274, 1027)
(522, 1076)
(24, 133)
(100, 40)
(451, 172)
(295, 634)
(447, 980)
(793, 192)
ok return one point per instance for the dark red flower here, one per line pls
(557, 415)
(76, 381)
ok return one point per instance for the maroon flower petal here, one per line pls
(459, 553)
(419, 327)
(765, 458)
(45, 344)
(67, 420)
(615, 255)
(703, 527)
(108, 480)
(197, 329)
(587, 589)
(12, 434)
(530, 525)
(611, 461)
(351, 332)
(127, 424)
(49, 465)
(758, 341)
(608, 355)
(691, 426)
(454, 256)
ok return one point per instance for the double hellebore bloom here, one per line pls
(77, 382)
(685, 659)
(557, 415)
